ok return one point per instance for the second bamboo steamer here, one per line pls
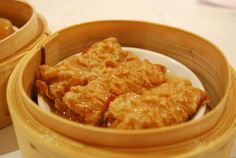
(29, 28)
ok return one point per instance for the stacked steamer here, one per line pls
(43, 134)
(29, 28)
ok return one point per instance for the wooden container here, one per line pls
(31, 28)
(43, 134)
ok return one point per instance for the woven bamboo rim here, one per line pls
(170, 41)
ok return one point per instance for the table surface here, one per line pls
(215, 22)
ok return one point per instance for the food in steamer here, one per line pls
(107, 86)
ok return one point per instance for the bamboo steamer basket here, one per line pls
(43, 134)
(172, 42)
(31, 29)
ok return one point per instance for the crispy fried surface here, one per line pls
(171, 103)
(92, 100)
(106, 86)
(55, 81)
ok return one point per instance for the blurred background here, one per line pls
(212, 19)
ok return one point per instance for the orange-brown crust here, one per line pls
(173, 102)
(94, 87)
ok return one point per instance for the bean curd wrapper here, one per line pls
(109, 87)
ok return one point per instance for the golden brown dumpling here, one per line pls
(6, 28)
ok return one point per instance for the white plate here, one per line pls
(172, 65)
